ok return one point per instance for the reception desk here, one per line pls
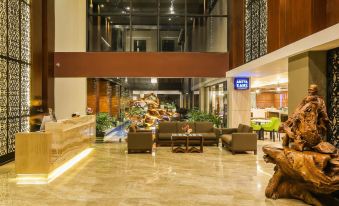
(42, 156)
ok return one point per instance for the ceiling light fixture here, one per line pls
(169, 19)
(172, 7)
(154, 80)
(128, 8)
(102, 5)
(257, 91)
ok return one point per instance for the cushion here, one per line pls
(168, 127)
(240, 128)
(203, 127)
(165, 136)
(182, 124)
(209, 136)
(247, 129)
(226, 138)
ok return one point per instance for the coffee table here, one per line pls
(184, 143)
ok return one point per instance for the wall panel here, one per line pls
(333, 95)
(332, 14)
(15, 64)
(236, 32)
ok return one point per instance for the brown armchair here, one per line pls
(139, 142)
(239, 139)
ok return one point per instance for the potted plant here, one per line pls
(103, 122)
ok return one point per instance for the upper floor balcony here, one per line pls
(157, 26)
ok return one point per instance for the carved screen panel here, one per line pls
(255, 29)
(333, 95)
(15, 63)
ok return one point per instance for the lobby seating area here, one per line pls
(206, 129)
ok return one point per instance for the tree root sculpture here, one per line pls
(308, 169)
(304, 175)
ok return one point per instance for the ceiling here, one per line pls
(145, 83)
(148, 6)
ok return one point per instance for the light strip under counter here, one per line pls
(41, 157)
(45, 179)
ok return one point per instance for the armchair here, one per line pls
(239, 139)
(139, 141)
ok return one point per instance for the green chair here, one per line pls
(257, 128)
(273, 127)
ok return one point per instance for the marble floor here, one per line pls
(110, 176)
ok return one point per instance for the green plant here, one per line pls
(104, 122)
(137, 111)
(170, 105)
(195, 115)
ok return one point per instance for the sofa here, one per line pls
(139, 141)
(239, 139)
(166, 129)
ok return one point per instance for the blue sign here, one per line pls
(241, 83)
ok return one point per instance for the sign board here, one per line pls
(241, 83)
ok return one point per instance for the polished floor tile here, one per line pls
(110, 176)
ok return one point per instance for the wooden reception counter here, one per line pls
(42, 156)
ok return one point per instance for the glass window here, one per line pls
(160, 24)
(144, 7)
(109, 7)
(108, 33)
(172, 7)
(144, 29)
(196, 7)
(207, 34)
(172, 32)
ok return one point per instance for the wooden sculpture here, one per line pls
(307, 170)
(306, 127)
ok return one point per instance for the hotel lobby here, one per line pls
(169, 102)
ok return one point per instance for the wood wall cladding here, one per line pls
(270, 99)
(332, 14)
(265, 100)
(236, 32)
(140, 64)
(91, 95)
(290, 20)
(103, 96)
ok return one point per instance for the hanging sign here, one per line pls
(241, 83)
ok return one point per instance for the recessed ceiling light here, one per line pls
(154, 80)
(102, 5)
(169, 19)
(128, 8)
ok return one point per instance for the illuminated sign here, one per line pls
(241, 83)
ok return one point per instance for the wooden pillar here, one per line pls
(97, 95)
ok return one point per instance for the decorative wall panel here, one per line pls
(333, 94)
(255, 29)
(15, 59)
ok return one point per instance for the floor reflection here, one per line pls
(109, 176)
